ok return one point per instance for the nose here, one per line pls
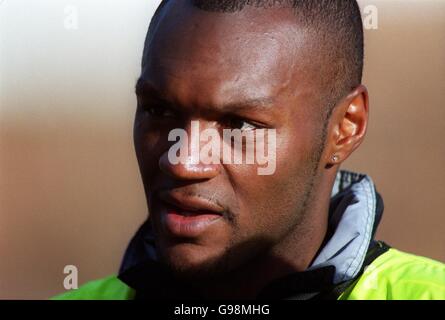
(190, 167)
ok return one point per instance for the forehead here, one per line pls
(209, 58)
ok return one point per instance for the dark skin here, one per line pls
(241, 71)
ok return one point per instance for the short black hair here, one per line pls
(338, 30)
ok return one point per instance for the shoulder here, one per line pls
(397, 275)
(109, 288)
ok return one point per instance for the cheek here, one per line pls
(151, 136)
(270, 203)
(149, 146)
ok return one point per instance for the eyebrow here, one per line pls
(254, 104)
(144, 87)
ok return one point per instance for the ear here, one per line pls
(347, 127)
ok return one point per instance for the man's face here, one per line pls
(235, 71)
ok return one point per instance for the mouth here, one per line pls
(186, 216)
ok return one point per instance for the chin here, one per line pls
(191, 261)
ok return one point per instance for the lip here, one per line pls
(190, 203)
(188, 216)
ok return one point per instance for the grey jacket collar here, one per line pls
(356, 210)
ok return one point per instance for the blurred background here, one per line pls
(70, 192)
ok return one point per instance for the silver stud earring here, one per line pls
(335, 158)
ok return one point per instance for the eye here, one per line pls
(159, 111)
(239, 123)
